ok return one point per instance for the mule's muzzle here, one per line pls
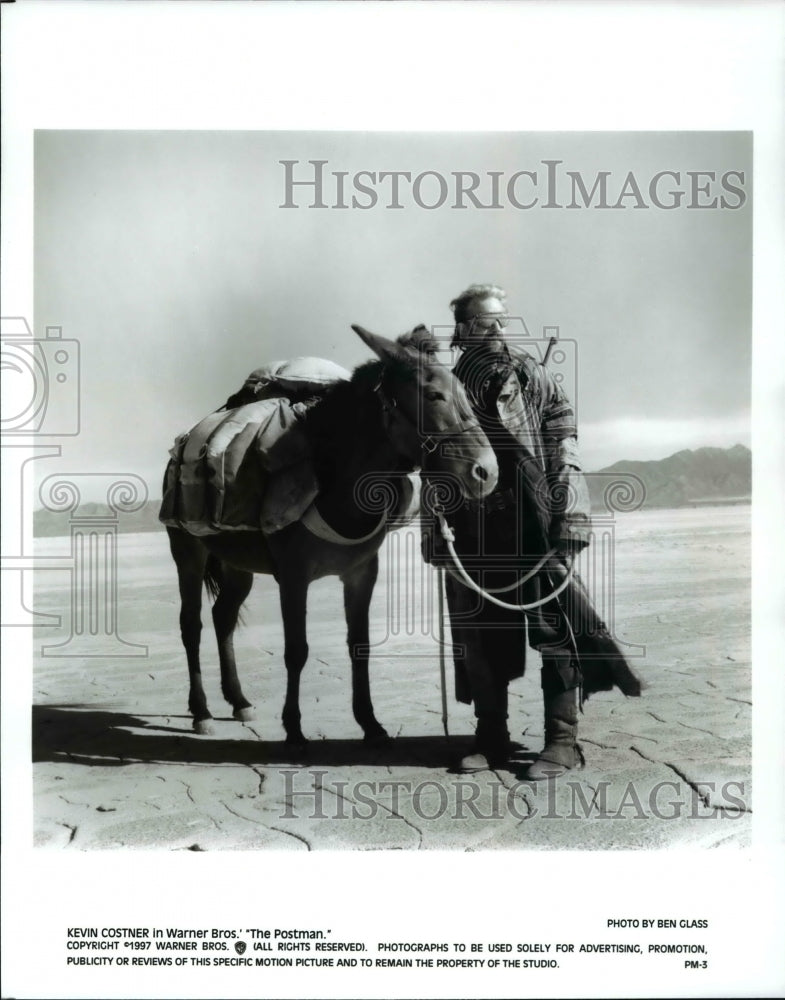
(483, 479)
(477, 470)
(484, 470)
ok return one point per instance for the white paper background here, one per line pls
(398, 67)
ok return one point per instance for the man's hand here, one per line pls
(433, 547)
(562, 560)
(566, 551)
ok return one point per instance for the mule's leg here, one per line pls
(191, 559)
(294, 595)
(357, 591)
(235, 587)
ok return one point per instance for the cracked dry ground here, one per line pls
(117, 765)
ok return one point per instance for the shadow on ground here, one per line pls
(80, 734)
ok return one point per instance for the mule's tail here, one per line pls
(212, 576)
(213, 581)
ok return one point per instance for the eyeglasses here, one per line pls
(486, 320)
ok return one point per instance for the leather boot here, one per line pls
(561, 751)
(491, 746)
(492, 740)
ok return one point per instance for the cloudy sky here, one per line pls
(168, 256)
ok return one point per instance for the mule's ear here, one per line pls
(383, 348)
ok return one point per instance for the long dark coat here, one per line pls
(541, 502)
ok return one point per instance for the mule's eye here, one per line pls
(435, 397)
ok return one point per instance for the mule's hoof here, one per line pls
(244, 714)
(377, 737)
(204, 727)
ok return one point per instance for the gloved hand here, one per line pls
(432, 546)
(566, 551)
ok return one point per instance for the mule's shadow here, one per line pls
(102, 737)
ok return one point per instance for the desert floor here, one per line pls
(117, 765)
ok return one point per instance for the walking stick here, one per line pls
(442, 665)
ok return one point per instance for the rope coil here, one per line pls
(459, 572)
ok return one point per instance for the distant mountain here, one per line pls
(684, 479)
(47, 524)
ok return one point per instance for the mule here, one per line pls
(397, 413)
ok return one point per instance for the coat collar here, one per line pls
(494, 382)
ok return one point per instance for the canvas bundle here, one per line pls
(249, 467)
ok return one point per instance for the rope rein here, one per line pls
(459, 572)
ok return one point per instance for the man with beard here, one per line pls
(538, 514)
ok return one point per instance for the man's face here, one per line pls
(484, 324)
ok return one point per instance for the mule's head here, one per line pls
(429, 419)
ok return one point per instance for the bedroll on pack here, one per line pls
(248, 466)
(296, 379)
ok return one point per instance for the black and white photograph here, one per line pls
(390, 537)
(418, 401)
